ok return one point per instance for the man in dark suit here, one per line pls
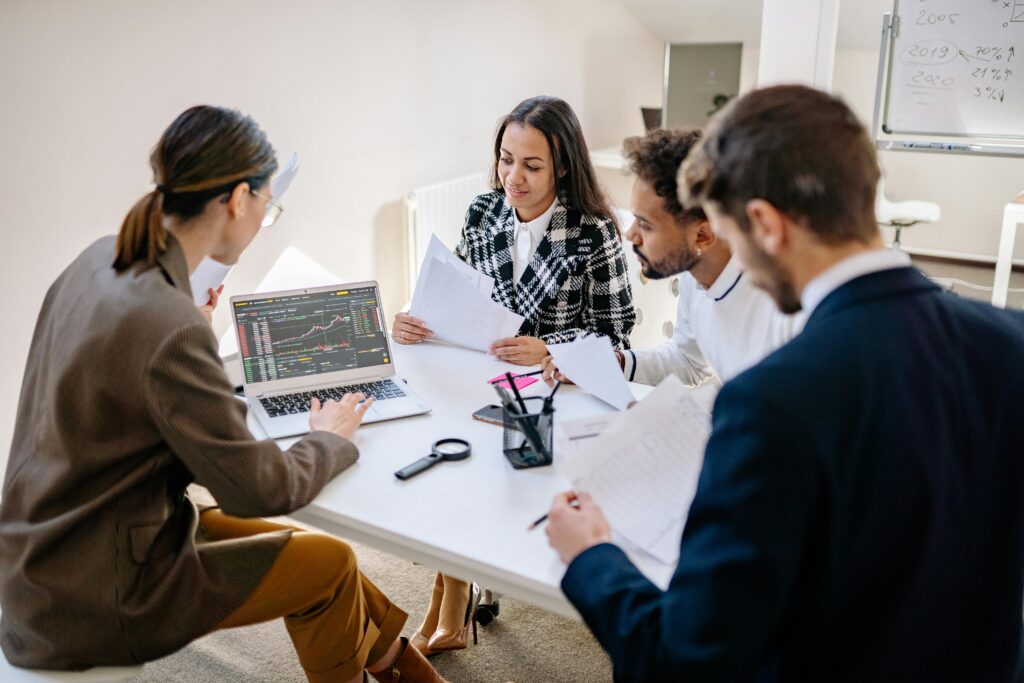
(860, 514)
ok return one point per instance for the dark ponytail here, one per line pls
(204, 154)
(142, 235)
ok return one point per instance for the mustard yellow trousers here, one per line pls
(337, 619)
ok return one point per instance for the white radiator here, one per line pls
(437, 209)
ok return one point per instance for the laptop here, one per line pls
(321, 342)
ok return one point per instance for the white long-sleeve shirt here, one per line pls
(720, 331)
(528, 236)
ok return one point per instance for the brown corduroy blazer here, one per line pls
(124, 403)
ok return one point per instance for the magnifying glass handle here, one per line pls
(421, 465)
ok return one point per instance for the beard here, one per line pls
(676, 261)
(769, 276)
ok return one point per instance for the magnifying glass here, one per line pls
(443, 450)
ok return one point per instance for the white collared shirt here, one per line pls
(528, 236)
(848, 269)
(721, 330)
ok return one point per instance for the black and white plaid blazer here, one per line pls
(575, 284)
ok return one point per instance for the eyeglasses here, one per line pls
(273, 211)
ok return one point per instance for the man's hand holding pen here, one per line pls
(575, 523)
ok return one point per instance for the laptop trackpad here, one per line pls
(385, 410)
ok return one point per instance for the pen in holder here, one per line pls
(527, 439)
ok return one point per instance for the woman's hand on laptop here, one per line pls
(409, 330)
(340, 417)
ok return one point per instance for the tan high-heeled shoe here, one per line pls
(458, 639)
(421, 639)
(421, 643)
(410, 667)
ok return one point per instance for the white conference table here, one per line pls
(468, 519)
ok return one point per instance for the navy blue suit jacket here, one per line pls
(860, 513)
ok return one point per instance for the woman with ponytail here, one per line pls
(104, 559)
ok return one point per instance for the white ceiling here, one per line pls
(706, 21)
(680, 21)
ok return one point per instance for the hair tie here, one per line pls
(162, 189)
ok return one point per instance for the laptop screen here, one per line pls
(292, 335)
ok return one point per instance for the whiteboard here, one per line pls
(956, 68)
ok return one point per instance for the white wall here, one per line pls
(798, 42)
(377, 97)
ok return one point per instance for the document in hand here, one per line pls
(456, 309)
(590, 363)
(207, 275)
(436, 250)
(643, 469)
(283, 180)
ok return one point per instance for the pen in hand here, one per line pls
(543, 518)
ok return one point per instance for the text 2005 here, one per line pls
(924, 18)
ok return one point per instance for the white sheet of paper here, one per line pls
(456, 311)
(208, 275)
(436, 250)
(573, 436)
(590, 363)
(643, 469)
(283, 180)
(483, 282)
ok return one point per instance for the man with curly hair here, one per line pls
(724, 324)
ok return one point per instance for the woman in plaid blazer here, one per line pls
(547, 237)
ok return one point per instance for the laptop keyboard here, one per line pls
(290, 404)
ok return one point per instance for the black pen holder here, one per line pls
(528, 439)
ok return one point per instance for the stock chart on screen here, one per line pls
(310, 333)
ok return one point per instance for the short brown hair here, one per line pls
(800, 149)
(655, 159)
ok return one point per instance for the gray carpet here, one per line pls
(972, 280)
(524, 644)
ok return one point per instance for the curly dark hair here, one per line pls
(655, 158)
